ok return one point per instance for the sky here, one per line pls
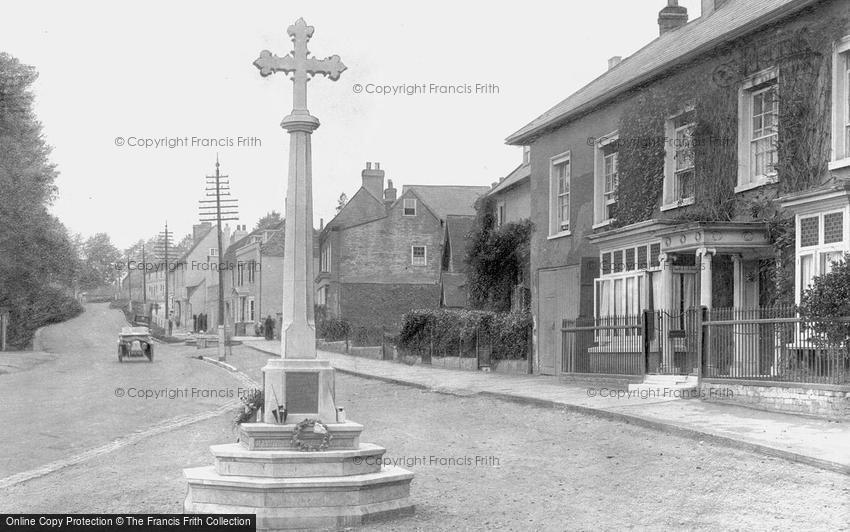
(116, 77)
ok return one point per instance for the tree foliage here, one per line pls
(268, 221)
(38, 258)
(826, 302)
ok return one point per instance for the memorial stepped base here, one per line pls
(289, 489)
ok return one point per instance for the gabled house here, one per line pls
(191, 275)
(254, 280)
(383, 253)
(666, 183)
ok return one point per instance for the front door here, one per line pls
(559, 294)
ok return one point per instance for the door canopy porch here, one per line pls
(747, 240)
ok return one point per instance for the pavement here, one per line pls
(820, 443)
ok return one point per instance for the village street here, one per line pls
(480, 463)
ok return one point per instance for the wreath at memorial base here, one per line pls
(318, 428)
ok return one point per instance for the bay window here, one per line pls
(821, 241)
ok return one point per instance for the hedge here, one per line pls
(458, 332)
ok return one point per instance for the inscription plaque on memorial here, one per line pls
(302, 392)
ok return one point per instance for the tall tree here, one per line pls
(102, 262)
(269, 220)
(38, 260)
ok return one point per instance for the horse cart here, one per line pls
(135, 342)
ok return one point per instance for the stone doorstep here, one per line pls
(233, 459)
(337, 517)
(268, 436)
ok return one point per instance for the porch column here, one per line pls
(745, 361)
(666, 305)
(704, 256)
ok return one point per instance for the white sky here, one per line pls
(181, 69)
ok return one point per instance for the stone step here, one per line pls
(301, 503)
(233, 459)
(268, 436)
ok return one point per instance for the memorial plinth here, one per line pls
(267, 472)
(264, 474)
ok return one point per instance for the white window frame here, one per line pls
(213, 252)
(600, 202)
(756, 84)
(404, 206)
(500, 213)
(819, 251)
(325, 261)
(415, 261)
(251, 310)
(556, 227)
(841, 105)
(671, 199)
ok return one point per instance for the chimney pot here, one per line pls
(368, 166)
(672, 17)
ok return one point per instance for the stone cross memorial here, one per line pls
(307, 469)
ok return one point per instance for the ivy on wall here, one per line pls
(803, 57)
(497, 257)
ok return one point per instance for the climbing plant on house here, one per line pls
(496, 257)
(802, 57)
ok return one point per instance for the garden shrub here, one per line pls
(457, 332)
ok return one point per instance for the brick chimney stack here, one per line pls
(373, 180)
(390, 194)
(672, 17)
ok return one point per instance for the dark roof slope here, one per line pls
(521, 173)
(732, 20)
(457, 228)
(445, 200)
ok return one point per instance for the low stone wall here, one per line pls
(455, 363)
(333, 347)
(512, 367)
(367, 352)
(821, 400)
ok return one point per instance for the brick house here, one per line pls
(254, 280)
(660, 185)
(382, 254)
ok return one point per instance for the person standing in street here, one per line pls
(268, 328)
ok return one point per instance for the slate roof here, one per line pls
(732, 20)
(520, 174)
(446, 200)
(457, 227)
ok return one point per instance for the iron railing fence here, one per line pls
(610, 345)
(775, 344)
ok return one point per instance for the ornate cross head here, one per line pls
(299, 63)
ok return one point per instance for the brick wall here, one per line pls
(379, 304)
(817, 400)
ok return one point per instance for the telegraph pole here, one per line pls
(162, 247)
(144, 277)
(218, 209)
